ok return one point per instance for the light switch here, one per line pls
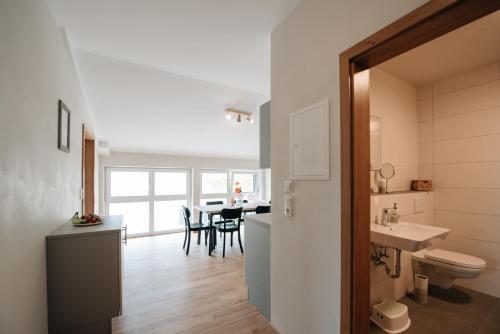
(288, 206)
(288, 187)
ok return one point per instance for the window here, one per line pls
(150, 200)
(213, 183)
(246, 181)
(128, 183)
(170, 183)
(167, 215)
(135, 215)
(219, 185)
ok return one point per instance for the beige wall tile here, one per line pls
(425, 153)
(425, 132)
(423, 201)
(424, 109)
(424, 92)
(467, 79)
(474, 98)
(488, 251)
(484, 122)
(425, 218)
(466, 225)
(481, 201)
(381, 290)
(408, 219)
(378, 202)
(402, 179)
(488, 282)
(406, 203)
(469, 175)
(426, 172)
(473, 149)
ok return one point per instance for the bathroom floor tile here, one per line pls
(492, 324)
(455, 311)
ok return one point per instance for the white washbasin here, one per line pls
(406, 236)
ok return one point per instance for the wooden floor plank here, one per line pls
(166, 291)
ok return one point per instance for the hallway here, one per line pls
(167, 292)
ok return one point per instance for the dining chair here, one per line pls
(215, 203)
(262, 209)
(191, 227)
(231, 223)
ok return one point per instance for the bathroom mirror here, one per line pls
(375, 143)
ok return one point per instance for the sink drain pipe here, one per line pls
(378, 261)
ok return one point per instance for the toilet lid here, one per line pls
(456, 259)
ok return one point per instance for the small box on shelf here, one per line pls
(421, 185)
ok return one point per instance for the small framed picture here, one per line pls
(64, 127)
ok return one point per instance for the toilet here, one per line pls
(444, 266)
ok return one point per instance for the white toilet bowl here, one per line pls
(443, 266)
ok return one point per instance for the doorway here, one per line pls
(88, 170)
(426, 23)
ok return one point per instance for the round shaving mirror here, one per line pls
(387, 171)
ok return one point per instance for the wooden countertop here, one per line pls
(263, 218)
(110, 224)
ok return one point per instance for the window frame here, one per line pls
(255, 175)
(151, 198)
(215, 195)
(230, 183)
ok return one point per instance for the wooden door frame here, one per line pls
(88, 170)
(422, 25)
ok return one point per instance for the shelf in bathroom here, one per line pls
(399, 192)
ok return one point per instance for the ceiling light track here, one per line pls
(237, 115)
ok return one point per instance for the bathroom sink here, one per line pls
(406, 236)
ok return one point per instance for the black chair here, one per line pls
(263, 209)
(231, 223)
(215, 203)
(190, 227)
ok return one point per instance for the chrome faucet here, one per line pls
(390, 215)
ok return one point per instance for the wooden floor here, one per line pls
(166, 291)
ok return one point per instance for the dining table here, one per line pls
(216, 209)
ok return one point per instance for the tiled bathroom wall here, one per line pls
(459, 148)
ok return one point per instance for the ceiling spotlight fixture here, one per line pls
(238, 115)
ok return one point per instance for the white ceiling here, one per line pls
(466, 48)
(158, 74)
(139, 109)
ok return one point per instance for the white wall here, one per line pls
(460, 144)
(124, 159)
(305, 249)
(39, 184)
(395, 103)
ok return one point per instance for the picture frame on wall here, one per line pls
(63, 137)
